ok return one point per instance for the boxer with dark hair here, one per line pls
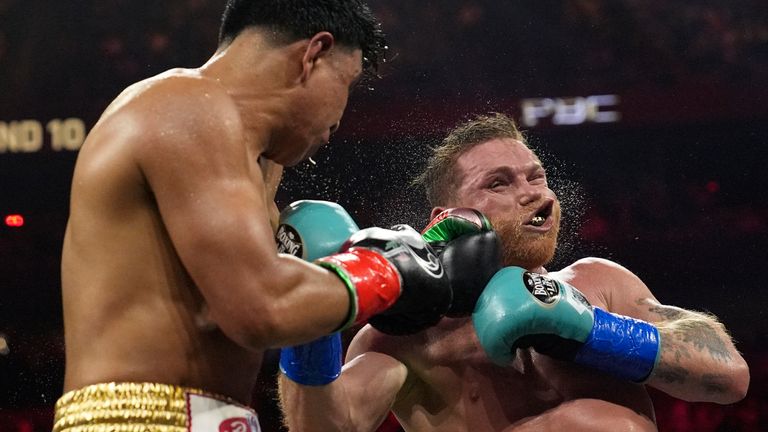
(172, 283)
(571, 349)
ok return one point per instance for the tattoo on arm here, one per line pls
(715, 383)
(671, 374)
(692, 329)
(684, 333)
(703, 337)
(680, 351)
(666, 312)
(712, 383)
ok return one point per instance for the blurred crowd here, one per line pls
(92, 49)
(576, 45)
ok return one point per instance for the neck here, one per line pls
(272, 173)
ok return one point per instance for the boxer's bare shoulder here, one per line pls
(175, 103)
(606, 284)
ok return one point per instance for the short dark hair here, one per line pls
(438, 178)
(351, 23)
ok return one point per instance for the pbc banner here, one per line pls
(571, 110)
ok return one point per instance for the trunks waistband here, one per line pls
(134, 407)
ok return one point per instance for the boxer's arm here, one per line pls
(213, 202)
(359, 400)
(698, 360)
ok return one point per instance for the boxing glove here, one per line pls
(520, 309)
(395, 280)
(312, 229)
(470, 252)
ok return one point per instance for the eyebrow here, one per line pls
(531, 166)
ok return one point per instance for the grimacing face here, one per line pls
(505, 180)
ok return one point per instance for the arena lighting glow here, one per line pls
(14, 220)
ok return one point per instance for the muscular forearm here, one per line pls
(698, 361)
(297, 302)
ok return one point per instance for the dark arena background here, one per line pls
(652, 116)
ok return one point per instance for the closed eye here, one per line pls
(538, 177)
(497, 184)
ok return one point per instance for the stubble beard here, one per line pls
(529, 250)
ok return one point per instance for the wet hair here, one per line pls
(438, 178)
(351, 23)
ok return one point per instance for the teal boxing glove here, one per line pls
(310, 230)
(520, 309)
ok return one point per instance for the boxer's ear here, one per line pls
(436, 211)
(319, 46)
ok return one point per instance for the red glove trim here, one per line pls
(374, 279)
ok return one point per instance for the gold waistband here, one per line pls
(125, 407)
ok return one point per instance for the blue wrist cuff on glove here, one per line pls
(622, 346)
(315, 363)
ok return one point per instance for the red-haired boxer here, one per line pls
(547, 358)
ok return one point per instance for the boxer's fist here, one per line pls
(396, 280)
(520, 309)
(470, 252)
